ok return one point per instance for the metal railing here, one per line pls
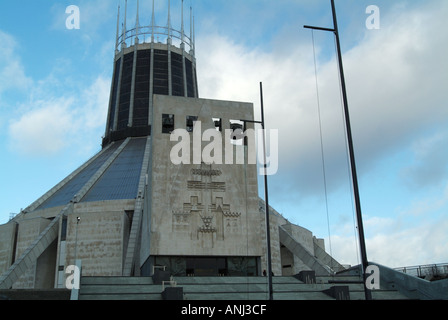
(428, 271)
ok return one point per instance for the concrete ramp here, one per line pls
(302, 253)
(326, 259)
(29, 257)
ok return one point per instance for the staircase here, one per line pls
(226, 288)
(119, 288)
(244, 288)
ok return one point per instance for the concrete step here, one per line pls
(299, 287)
(357, 291)
(119, 288)
(35, 294)
(226, 296)
(116, 280)
(223, 280)
(300, 295)
(378, 295)
(122, 297)
(338, 279)
(225, 288)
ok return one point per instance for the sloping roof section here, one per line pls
(72, 187)
(121, 179)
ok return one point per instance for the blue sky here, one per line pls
(54, 93)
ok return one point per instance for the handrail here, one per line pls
(422, 271)
(414, 287)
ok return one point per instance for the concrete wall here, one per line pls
(99, 237)
(305, 238)
(29, 230)
(200, 209)
(7, 238)
(284, 262)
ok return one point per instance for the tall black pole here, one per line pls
(362, 242)
(268, 230)
(364, 260)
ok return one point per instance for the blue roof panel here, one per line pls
(74, 185)
(121, 179)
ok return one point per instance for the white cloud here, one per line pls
(430, 166)
(419, 245)
(421, 208)
(397, 81)
(94, 103)
(12, 73)
(394, 245)
(54, 122)
(44, 129)
(396, 85)
(65, 107)
(415, 236)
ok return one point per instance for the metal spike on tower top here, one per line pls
(118, 28)
(153, 21)
(137, 22)
(182, 25)
(156, 32)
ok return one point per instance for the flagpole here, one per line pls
(268, 228)
(364, 260)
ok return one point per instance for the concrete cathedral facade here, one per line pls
(130, 210)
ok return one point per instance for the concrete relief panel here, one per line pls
(201, 208)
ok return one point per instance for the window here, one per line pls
(237, 135)
(167, 123)
(218, 123)
(64, 229)
(190, 122)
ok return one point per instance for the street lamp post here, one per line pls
(78, 219)
(268, 230)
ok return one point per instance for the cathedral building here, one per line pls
(134, 207)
